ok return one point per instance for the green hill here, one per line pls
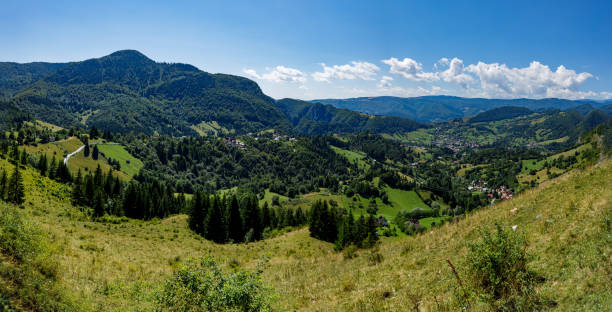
(316, 118)
(83, 265)
(126, 91)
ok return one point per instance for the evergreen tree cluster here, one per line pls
(106, 194)
(11, 187)
(233, 220)
(331, 224)
(287, 168)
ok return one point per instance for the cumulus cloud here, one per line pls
(353, 71)
(278, 74)
(410, 69)
(455, 72)
(385, 82)
(536, 80)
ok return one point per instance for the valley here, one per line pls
(123, 180)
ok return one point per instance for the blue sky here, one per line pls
(322, 49)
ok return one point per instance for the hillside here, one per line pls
(126, 91)
(501, 113)
(442, 108)
(119, 265)
(315, 118)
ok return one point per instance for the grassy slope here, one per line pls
(119, 153)
(352, 156)
(118, 267)
(61, 148)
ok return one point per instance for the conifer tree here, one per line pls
(95, 152)
(216, 223)
(62, 173)
(77, 189)
(198, 214)
(235, 221)
(98, 203)
(252, 217)
(86, 150)
(42, 164)
(3, 183)
(24, 157)
(265, 216)
(15, 191)
(52, 168)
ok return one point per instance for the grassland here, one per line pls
(60, 149)
(353, 157)
(119, 267)
(130, 165)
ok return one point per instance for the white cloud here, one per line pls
(353, 71)
(455, 72)
(440, 63)
(410, 69)
(385, 82)
(536, 80)
(251, 73)
(279, 74)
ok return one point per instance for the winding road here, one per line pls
(81, 148)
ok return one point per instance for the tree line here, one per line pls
(234, 219)
(335, 225)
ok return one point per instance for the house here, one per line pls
(382, 222)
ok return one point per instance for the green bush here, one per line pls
(499, 273)
(203, 286)
(28, 269)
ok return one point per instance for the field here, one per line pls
(119, 267)
(119, 153)
(60, 149)
(353, 157)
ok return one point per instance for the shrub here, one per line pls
(28, 270)
(203, 286)
(499, 274)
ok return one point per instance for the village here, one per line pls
(501, 192)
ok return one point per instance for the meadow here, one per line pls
(119, 266)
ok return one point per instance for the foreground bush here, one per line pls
(203, 286)
(499, 273)
(28, 268)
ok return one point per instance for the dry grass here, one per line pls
(118, 267)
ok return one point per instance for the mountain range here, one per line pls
(444, 108)
(126, 91)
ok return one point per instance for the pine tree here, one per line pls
(62, 173)
(216, 224)
(77, 189)
(266, 218)
(95, 152)
(52, 168)
(198, 214)
(235, 221)
(86, 150)
(42, 164)
(15, 192)
(3, 183)
(98, 203)
(98, 177)
(24, 157)
(252, 218)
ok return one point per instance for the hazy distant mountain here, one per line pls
(442, 108)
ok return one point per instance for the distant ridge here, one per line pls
(444, 108)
